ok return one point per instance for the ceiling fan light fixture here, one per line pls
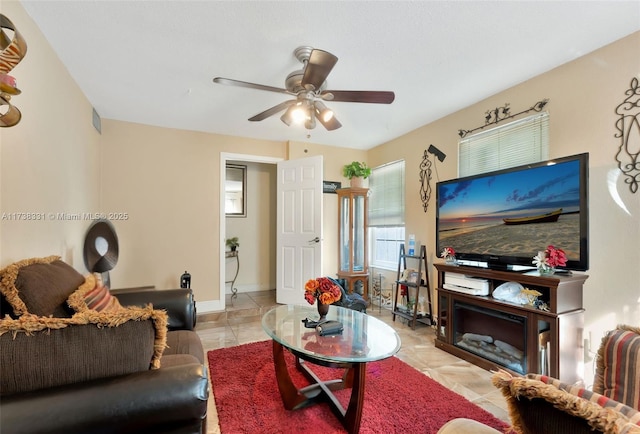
(286, 117)
(295, 114)
(299, 114)
(323, 112)
(310, 123)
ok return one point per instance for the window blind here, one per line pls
(386, 201)
(516, 143)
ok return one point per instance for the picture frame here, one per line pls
(413, 277)
(410, 275)
(331, 186)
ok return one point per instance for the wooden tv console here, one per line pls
(550, 342)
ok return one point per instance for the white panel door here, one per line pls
(299, 231)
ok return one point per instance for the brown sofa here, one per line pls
(76, 358)
(541, 404)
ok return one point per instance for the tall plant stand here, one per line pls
(234, 290)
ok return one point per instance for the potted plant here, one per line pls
(232, 243)
(356, 171)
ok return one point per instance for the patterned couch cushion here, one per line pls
(597, 398)
(618, 366)
(39, 286)
(532, 400)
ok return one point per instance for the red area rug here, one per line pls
(398, 398)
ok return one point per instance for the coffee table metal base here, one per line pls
(322, 391)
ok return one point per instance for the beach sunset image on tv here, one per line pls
(513, 213)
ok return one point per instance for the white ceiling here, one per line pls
(152, 62)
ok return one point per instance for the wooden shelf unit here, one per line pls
(562, 325)
(422, 282)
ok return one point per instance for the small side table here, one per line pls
(233, 254)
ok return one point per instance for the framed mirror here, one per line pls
(235, 191)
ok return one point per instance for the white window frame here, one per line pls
(386, 215)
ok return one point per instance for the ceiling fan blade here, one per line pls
(272, 111)
(232, 82)
(367, 96)
(331, 124)
(318, 68)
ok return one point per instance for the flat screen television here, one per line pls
(502, 219)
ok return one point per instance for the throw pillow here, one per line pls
(618, 366)
(39, 286)
(93, 294)
(613, 417)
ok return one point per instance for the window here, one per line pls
(514, 144)
(386, 215)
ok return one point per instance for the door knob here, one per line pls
(315, 240)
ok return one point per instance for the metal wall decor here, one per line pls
(425, 174)
(628, 126)
(425, 180)
(493, 116)
(12, 51)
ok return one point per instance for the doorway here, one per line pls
(244, 228)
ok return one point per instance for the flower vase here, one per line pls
(450, 260)
(356, 182)
(546, 271)
(323, 310)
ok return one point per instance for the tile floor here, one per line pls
(240, 324)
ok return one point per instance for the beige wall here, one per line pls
(168, 181)
(50, 160)
(583, 96)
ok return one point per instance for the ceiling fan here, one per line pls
(308, 86)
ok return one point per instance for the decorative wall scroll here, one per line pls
(13, 51)
(628, 126)
(425, 180)
(425, 174)
(498, 114)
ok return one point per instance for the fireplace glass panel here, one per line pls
(497, 336)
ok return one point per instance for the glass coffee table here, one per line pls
(364, 339)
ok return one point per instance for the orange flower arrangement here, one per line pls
(322, 289)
